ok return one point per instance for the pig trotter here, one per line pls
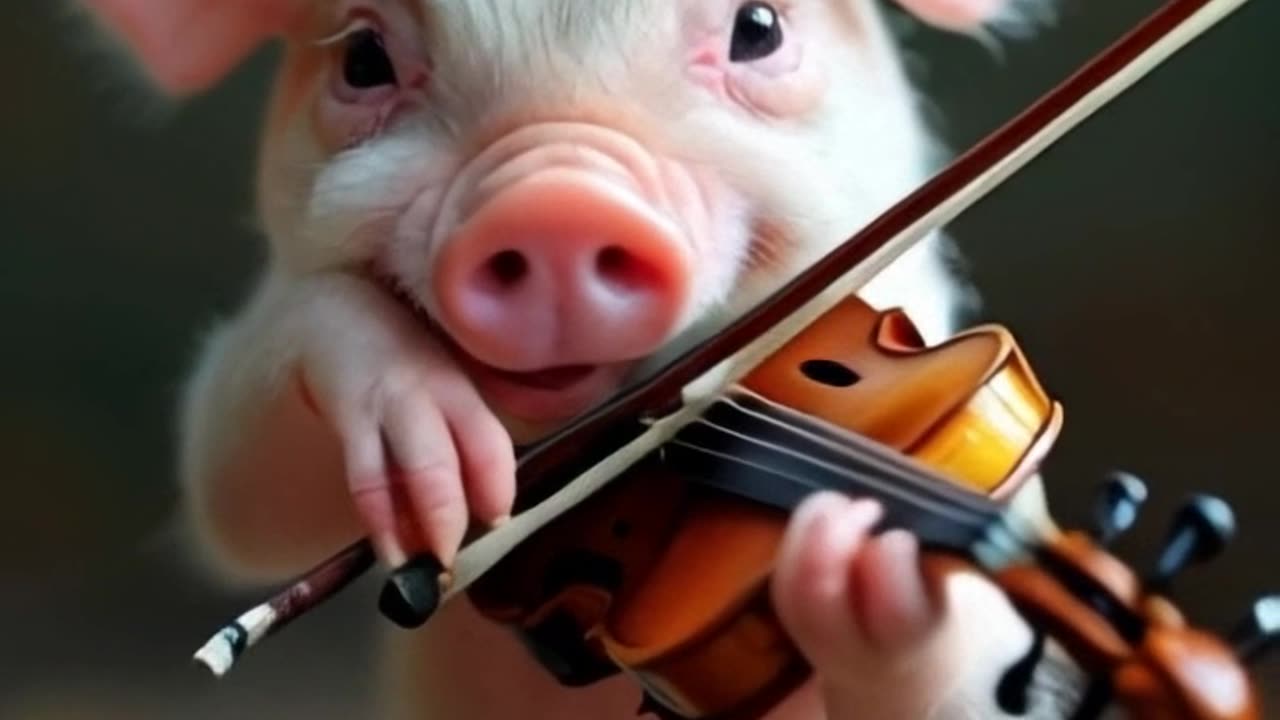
(412, 594)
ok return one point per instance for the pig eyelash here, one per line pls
(370, 65)
(355, 25)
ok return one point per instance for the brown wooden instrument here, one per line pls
(664, 574)
(680, 485)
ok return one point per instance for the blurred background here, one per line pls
(1136, 262)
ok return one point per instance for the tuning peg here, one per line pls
(1200, 530)
(1256, 635)
(1117, 504)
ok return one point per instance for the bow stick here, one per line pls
(557, 473)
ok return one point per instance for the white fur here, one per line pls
(265, 479)
(861, 152)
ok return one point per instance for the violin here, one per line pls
(643, 532)
(664, 574)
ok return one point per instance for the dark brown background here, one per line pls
(1136, 262)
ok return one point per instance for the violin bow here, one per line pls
(559, 472)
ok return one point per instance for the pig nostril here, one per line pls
(507, 268)
(612, 261)
(624, 269)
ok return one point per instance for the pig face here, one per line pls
(559, 188)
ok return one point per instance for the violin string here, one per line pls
(1008, 534)
(861, 448)
(988, 528)
(853, 450)
(878, 485)
(967, 531)
(882, 480)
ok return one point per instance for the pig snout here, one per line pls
(563, 255)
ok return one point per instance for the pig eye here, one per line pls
(757, 32)
(367, 64)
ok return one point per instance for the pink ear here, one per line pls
(189, 45)
(959, 15)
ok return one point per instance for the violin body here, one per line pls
(667, 580)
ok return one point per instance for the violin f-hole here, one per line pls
(830, 372)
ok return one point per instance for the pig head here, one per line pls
(560, 188)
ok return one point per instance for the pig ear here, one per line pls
(958, 15)
(189, 45)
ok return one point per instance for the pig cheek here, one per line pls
(340, 125)
(414, 246)
(721, 250)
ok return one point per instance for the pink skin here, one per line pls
(560, 258)
(522, 280)
(556, 257)
(860, 608)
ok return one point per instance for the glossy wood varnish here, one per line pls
(687, 615)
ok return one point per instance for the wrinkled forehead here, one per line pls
(500, 22)
(490, 54)
(561, 17)
(522, 29)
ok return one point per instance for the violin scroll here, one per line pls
(1126, 631)
(663, 575)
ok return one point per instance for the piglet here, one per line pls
(482, 219)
